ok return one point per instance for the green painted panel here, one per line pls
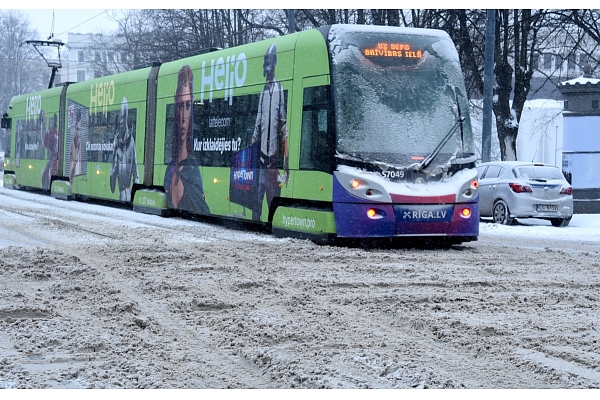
(303, 220)
(30, 173)
(313, 185)
(216, 189)
(61, 190)
(9, 180)
(312, 50)
(150, 199)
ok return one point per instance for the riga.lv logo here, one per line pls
(421, 214)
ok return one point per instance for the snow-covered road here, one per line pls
(99, 297)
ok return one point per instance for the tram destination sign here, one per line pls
(392, 50)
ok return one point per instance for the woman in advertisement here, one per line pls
(183, 182)
(50, 138)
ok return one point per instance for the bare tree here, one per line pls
(145, 36)
(515, 49)
(23, 70)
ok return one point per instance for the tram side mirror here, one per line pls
(5, 122)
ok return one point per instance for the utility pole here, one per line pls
(488, 86)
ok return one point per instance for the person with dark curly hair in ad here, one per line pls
(183, 181)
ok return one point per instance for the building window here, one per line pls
(536, 60)
(566, 104)
(559, 61)
(571, 61)
(111, 57)
(98, 58)
(583, 59)
(80, 76)
(80, 56)
(547, 61)
(595, 104)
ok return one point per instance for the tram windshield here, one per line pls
(399, 97)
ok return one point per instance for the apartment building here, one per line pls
(89, 56)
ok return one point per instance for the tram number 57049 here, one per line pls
(393, 174)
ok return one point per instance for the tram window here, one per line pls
(6, 122)
(7, 142)
(169, 121)
(5, 136)
(316, 129)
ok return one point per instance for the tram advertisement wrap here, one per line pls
(77, 135)
(247, 134)
(249, 137)
(243, 186)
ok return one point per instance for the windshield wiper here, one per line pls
(425, 163)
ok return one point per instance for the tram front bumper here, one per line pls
(364, 220)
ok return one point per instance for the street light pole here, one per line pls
(556, 145)
(488, 86)
(291, 20)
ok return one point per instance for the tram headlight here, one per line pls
(471, 190)
(375, 213)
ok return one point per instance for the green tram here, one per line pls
(344, 131)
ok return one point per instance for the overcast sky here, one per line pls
(68, 20)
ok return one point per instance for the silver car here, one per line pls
(514, 189)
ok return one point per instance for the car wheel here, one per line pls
(558, 222)
(501, 214)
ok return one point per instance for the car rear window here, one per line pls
(539, 172)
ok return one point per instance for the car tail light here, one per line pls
(519, 188)
(567, 190)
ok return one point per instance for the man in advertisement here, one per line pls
(124, 166)
(271, 130)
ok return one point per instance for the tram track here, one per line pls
(39, 206)
(60, 224)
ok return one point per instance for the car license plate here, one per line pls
(546, 207)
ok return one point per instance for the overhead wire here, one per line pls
(70, 29)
